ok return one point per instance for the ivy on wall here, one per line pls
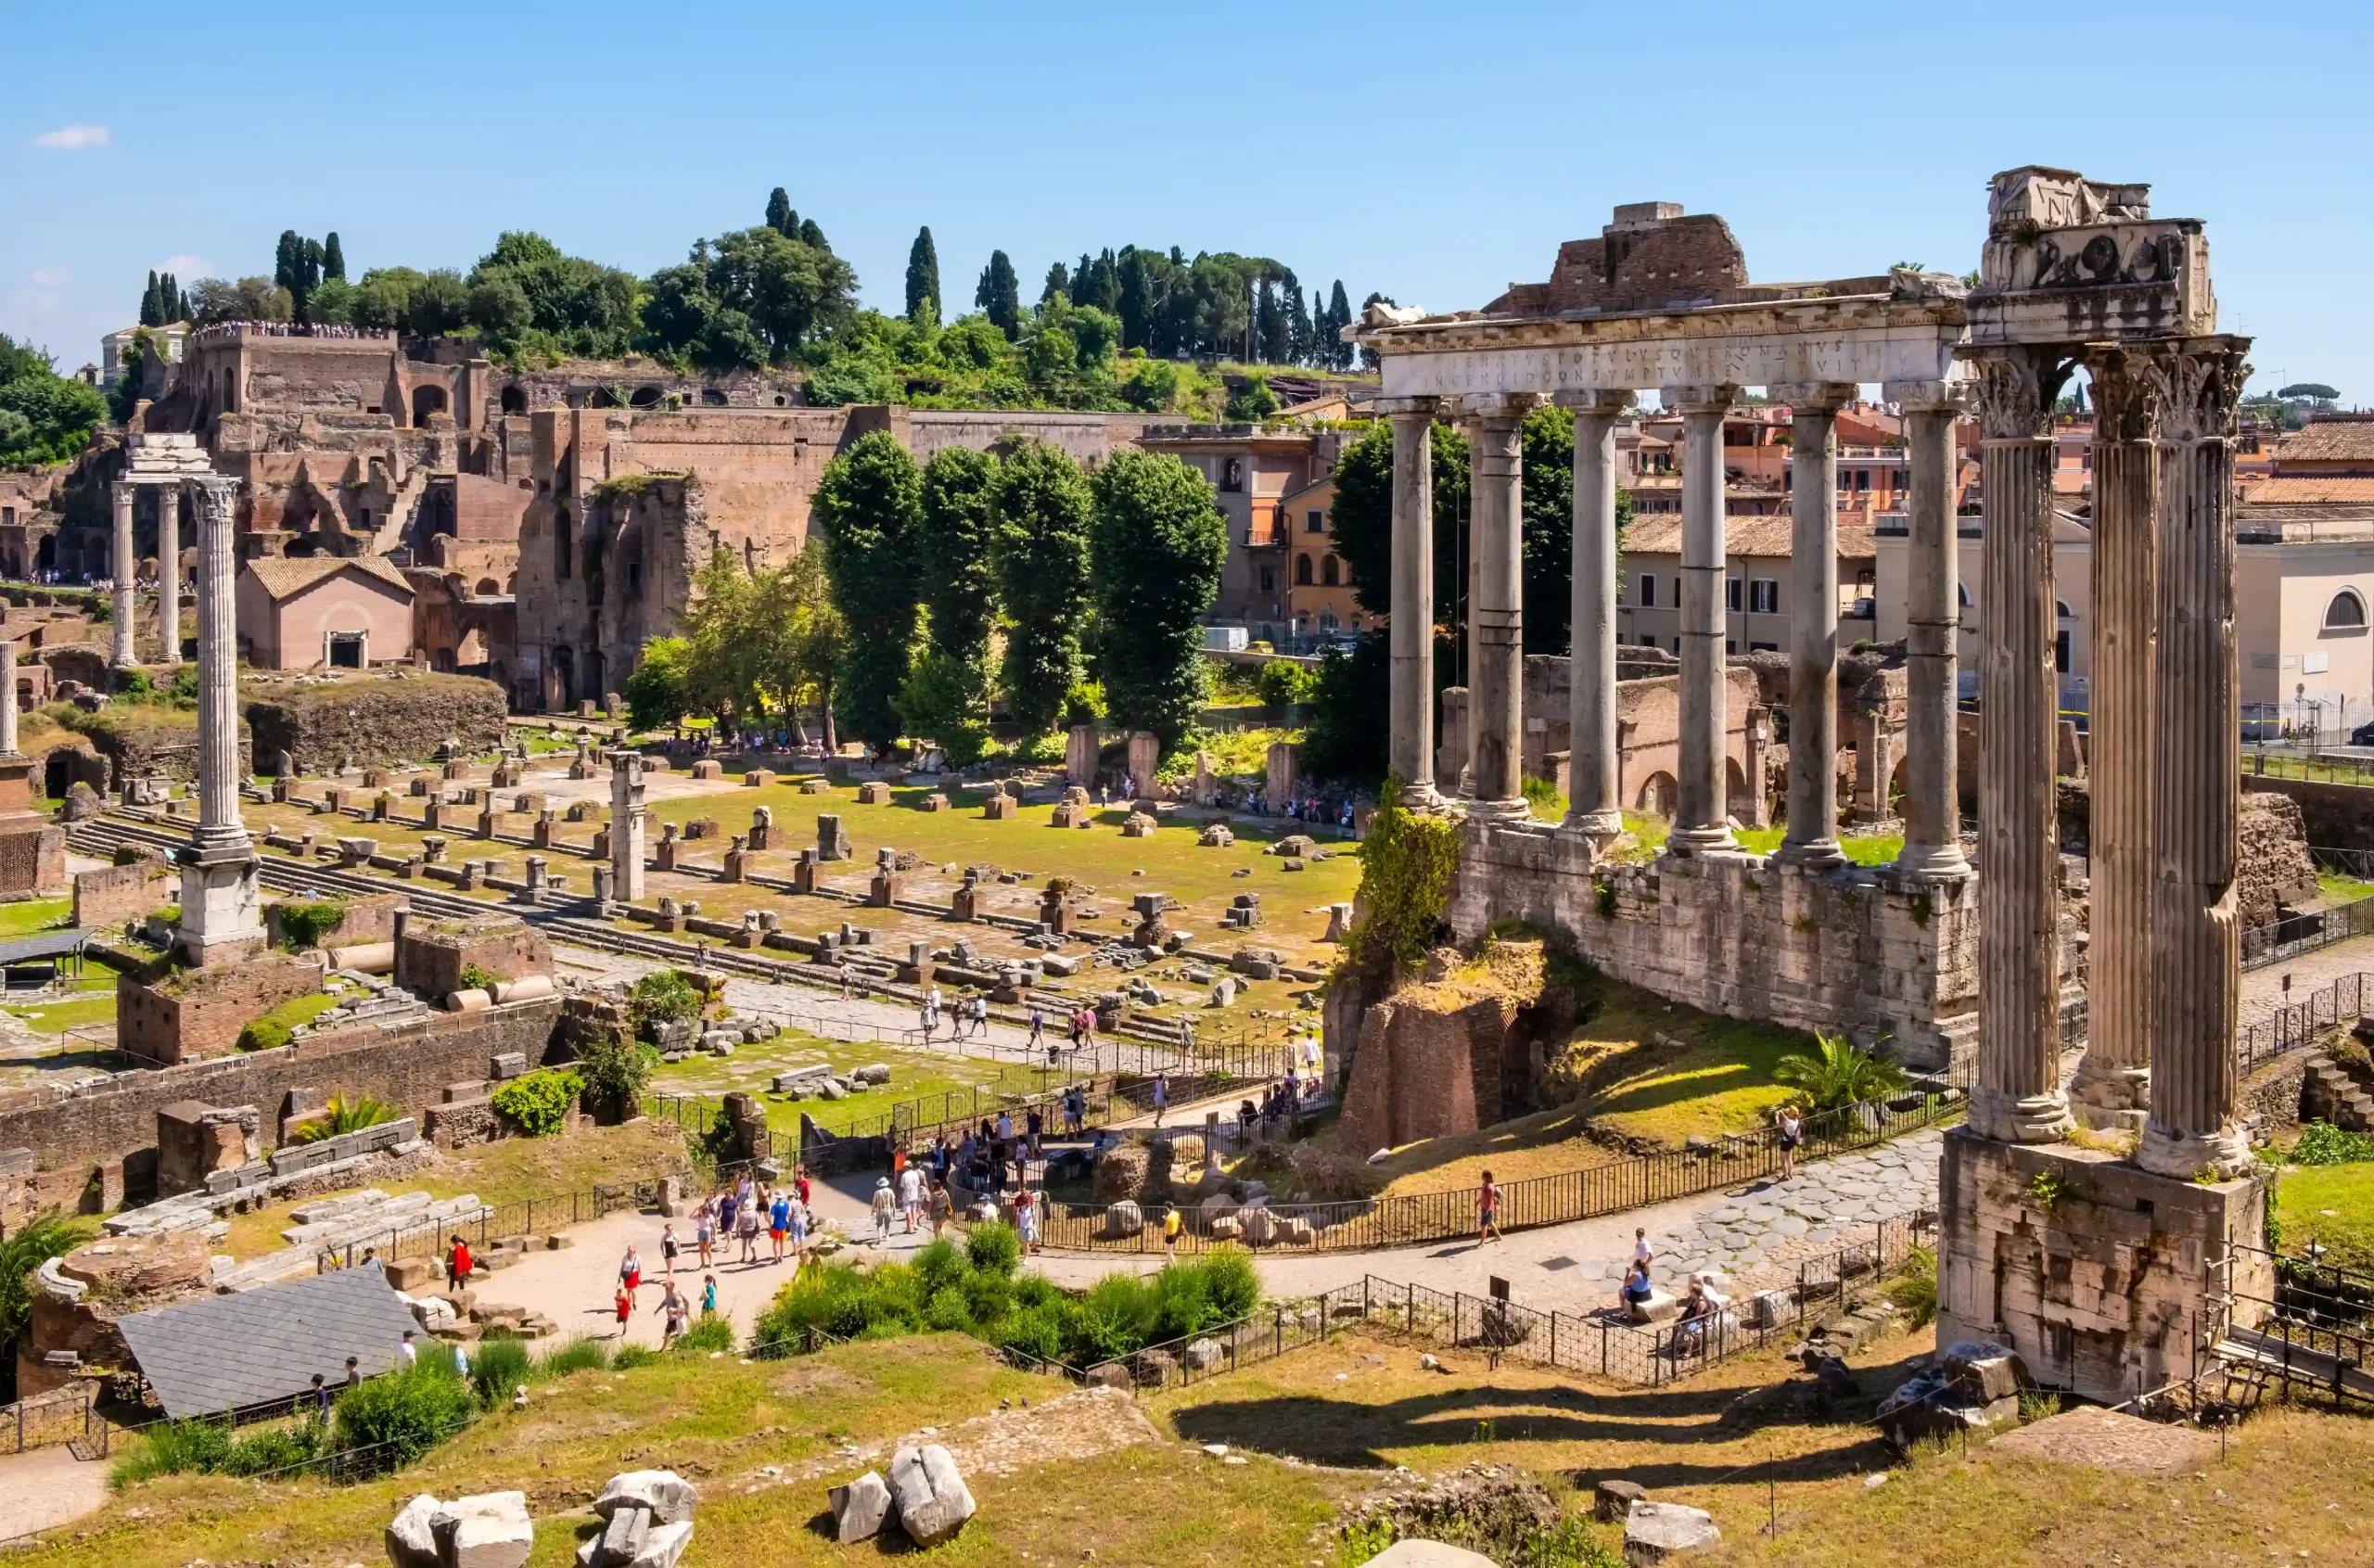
(1406, 865)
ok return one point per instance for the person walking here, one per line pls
(709, 1295)
(317, 1398)
(631, 1269)
(1487, 1211)
(1171, 1224)
(1026, 1217)
(778, 1223)
(1078, 1028)
(800, 1221)
(881, 1206)
(941, 1206)
(981, 1015)
(353, 1371)
(1037, 1029)
(910, 1196)
(705, 1231)
(457, 1264)
(408, 1350)
(1161, 1096)
(746, 1229)
(623, 1305)
(673, 1316)
(1791, 1126)
(1034, 1126)
(667, 1247)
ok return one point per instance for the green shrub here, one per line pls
(304, 925)
(498, 1370)
(574, 1355)
(615, 1069)
(537, 1103)
(1838, 1074)
(264, 1034)
(2321, 1144)
(1915, 1290)
(402, 1415)
(630, 1355)
(714, 1333)
(1406, 865)
(1283, 681)
(662, 997)
(474, 978)
(994, 1248)
(346, 1113)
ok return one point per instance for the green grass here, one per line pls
(1875, 850)
(2340, 889)
(2332, 1204)
(34, 914)
(914, 1075)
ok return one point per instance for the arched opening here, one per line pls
(1961, 593)
(47, 555)
(712, 398)
(594, 686)
(564, 680)
(1657, 795)
(1897, 778)
(427, 400)
(515, 400)
(1329, 572)
(2346, 613)
(1233, 474)
(486, 587)
(302, 547)
(645, 397)
(442, 659)
(1302, 571)
(1739, 797)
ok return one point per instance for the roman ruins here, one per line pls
(2113, 1280)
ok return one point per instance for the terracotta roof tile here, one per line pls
(2329, 440)
(283, 576)
(1770, 537)
(2308, 489)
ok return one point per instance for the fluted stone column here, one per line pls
(1702, 816)
(1496, 610)
(2018, 1098)
(1595, 802)
(626, 826)
(1411, 632)
(220, 905)
(169, 577)
(124, 568)
(2113, 1084)
(1811, 838)
(2195, 776)
(1932, 817)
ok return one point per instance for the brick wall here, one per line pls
(2335, 816)
(407, 1067)
(113, 895)
(195, 1014)
(431, 957)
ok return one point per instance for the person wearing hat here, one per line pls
(885, 1202)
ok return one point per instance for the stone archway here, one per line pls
(427, 400)
(1658, 793)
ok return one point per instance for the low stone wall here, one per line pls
(2269, 1099)
(383, 718)
(113, 895)
(409, 1067)
(191, 1015)
(1861, 949)
(2335, 816)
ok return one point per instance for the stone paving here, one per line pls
(1766, 1224)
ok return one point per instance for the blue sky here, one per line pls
(1435, 153)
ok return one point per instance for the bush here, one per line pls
(662, 997)
(474, 978)
(1915, 1290)
(575, 1356)
(304, 925)
(994, 1248)
(264, 1034)
(498, 1370)
(401, 1416)
(537, 1103)
(626, 1356)
(2321, 1144)
(714, 1333)
(1283, 681)
(615, 1070)
(345, 1113)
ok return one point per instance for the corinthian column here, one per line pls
(2018, 1098)
(124, 568)
(1412, 631)
(2115, 1076)
(1933, 818)
(1701, 817)
(1594, 806)
(219, 888)
(2195, 776)
(1812, 835)
(169, 577)
(1496, 610)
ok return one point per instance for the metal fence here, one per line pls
(526, 1216)
(1369, 1223)
(2303, 1022)
(37, 1421)
(2316, 1330)
(2310, 767)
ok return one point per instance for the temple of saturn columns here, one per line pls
(166, 464)
(1662, 301)
(2107, 1272)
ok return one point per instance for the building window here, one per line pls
(2061, 650)
(1764, 597)
(1302, 571)
(1268, 580)
(562, 552)
(1649, 590)
(1330, 573)
(1764, 648)
(1314, 521)
(1233, 474)
(2346, 613)
(1731, 594)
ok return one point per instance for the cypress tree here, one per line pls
(999, 294)
(1058, 281)
(811, 235)
(151, 304)
(333, 258)
(947, 696)
(780, 216)
(1339, 316)
(287, 260)
(922, 280)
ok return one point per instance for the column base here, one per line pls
(2023, 1118)
(2104, 1086)
(1937, 862)
(1815, 854)
(1691, 840)
(1499, 814)
(1600, 826)
(1422, 796)
(2225, 1154)
(221, 909)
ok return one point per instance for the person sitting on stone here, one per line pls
(1633, 1299)
(1697, 1316)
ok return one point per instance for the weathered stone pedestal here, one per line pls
(2100, 1274)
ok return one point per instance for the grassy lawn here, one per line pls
(914, 1075)
(1876, 850)
(2290, 1483)
(24, 918)
(508, 1171)
(2339, 890)
(2333, 1204)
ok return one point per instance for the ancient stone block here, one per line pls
(1071, 814)
(874, 793)
(1000, 807)
(832, 839)
(1138, 825)
(707, 767)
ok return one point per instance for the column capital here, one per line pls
(123, 491)
(1603, 400)
(1814, 397)
(2015, 388)
(1398, 408)
(1929, 395)
(1718, 397)
(1500, 405)
(2205, 389)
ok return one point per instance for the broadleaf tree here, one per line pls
(947, 696)
(866, 513)
(1157, 548)
(1045, 514)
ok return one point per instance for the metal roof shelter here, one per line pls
(234, 1352)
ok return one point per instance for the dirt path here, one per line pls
(46, 1487)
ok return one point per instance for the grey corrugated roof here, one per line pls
(230, 1352)
(46, 944)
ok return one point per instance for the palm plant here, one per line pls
(346, 1114)
(22, 1251)
(1840, 1073)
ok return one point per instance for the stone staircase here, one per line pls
(2332, 1092)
